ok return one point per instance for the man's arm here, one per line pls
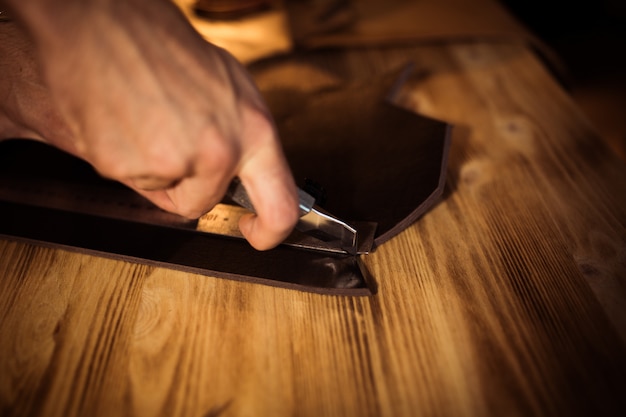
(144, 99)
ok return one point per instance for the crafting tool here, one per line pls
(315, 222)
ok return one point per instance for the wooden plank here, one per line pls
(491, 304)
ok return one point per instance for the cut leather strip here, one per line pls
(187, 251)
(52, 198)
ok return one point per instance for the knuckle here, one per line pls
(165, 158)
(185, 207)
(162, 162)
(108, 166)
(220, 155)
(172, 166)
(193, 208)
(190, 212)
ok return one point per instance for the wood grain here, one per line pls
(506, 299)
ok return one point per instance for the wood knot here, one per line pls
(519, 133)
(476, 173)
(512, 127)
(588, 269)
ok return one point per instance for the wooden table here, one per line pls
(507, 299)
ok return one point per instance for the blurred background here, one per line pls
(590, 37)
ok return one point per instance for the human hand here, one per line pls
(149, 103)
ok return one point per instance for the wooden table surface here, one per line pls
(507, 299)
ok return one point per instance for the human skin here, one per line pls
(130, 87)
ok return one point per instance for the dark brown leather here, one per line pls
(186, 250)
(350, 23)
(377, 163)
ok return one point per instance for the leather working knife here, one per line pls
(314, 221)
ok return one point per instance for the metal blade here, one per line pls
(327, 228)
(314, 221)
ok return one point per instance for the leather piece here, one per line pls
(317, 23)
(350, 23)
(187, 250)
(48, 197)
(376, 161)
